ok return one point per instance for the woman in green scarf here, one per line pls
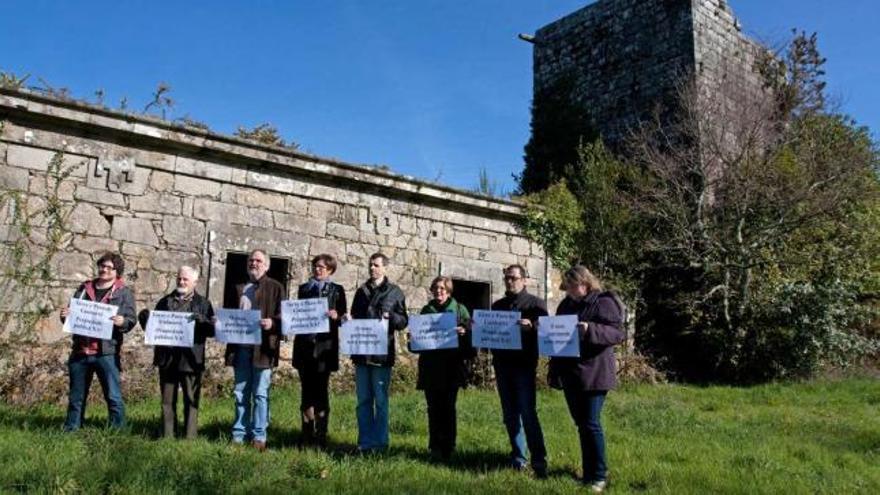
(443, 371)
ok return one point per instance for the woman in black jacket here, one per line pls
(315, 356)
(588, 378)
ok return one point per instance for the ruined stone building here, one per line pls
(165, 195)
(626, 57)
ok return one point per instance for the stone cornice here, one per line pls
(164, 136)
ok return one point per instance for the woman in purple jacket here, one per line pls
(588, 378)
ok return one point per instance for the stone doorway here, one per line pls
(236, 273)
(474, 295)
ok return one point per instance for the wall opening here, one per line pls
(236, 273)
(474, 295)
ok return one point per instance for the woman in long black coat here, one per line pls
(315, 356)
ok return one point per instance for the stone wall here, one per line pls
(165, 195)
(628, 56)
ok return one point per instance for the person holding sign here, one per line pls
(100, 356)
(182, 367)
(378, 298)
(588, 378)
(443, 371)
(253, 364)
(515, 372)
(316, 355)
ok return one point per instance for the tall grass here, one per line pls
(801, 438)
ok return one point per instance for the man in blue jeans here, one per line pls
(90, 356)
(252, 364)
(377, 298)
(515, 374)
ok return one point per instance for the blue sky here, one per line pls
(436, 89)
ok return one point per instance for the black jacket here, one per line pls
(319, 352)
(531, 308)
(370, 303)
(191, 360)
(446, 368)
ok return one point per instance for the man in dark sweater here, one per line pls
(515, 374)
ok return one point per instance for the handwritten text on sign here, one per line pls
(170, 328)
(364, 337)
(497, 329)
(558, 336)
(304, 316)
(238, 326)
(90, 319)
(433, 331)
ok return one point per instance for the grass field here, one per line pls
(799, 438)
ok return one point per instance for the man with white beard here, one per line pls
(182, 367)
(253, 363)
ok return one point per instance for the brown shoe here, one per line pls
(260, 446)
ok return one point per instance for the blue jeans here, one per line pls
(251, 398)
(585, 408)
(516, 389)
(80, 368)
(371, 383)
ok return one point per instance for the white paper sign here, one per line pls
(497, 329)
(304, 316)
(364, 337)
(90, 319)
(170, 328)
(558, 336)
(238, 326)
(433, 331)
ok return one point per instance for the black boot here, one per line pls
(308, 431)
(322, 418)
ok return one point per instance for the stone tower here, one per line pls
(626, 57)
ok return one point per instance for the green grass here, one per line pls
(800, 438)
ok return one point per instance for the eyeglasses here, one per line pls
(321, 267)
(510, 278)
(107, 267)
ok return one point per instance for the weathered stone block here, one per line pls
(222, 212)
(346, 232)
(156, 203)
(295, 204)
(324, 210)
(386, 224)
(472, 240)
(135, 230)
(72, 266)
(196, 187)
(93, 245)
(170, 261)
(318, 246)
(161, 181)
(260, 199)
(99, 196)
(86, 219)
(520, 246)
(259, 217)
(199, 168)
(14, 178)
(38, 159)
(183, 231)
(441, 247)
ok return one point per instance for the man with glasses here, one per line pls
(515, 374)
(253, 363)
(91, 356)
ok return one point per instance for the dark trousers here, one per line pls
(191, 386)
(585, 408)
(315, 406)
(441, 419)
(517, 391)
(315, 390)
(81, 369)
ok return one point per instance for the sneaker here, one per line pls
(540, 472)
(598, 486)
